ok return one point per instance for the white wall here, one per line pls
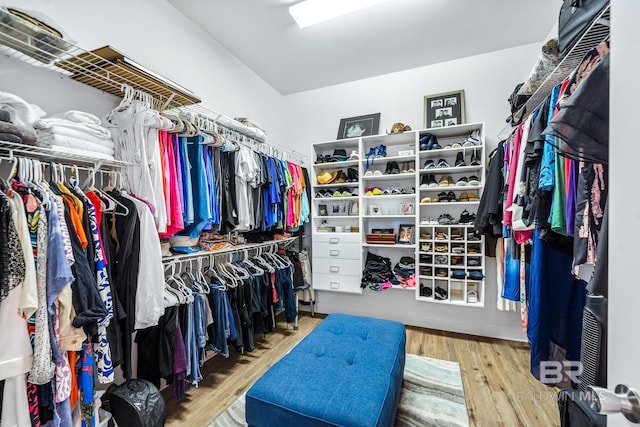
(487, 80)
(155, 34)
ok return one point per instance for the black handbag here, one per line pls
(576, 17)
(136, 403)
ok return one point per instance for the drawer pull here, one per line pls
(334, 240)
(334, 268)
(334, 285)
(334, 252)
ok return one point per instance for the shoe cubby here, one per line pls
(386, 182)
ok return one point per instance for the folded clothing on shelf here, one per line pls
(68, 144)
(16, 133)
(22, 113)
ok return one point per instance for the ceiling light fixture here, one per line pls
(311, 12)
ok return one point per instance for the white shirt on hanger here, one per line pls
(150, 292)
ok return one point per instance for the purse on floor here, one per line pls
(136, 403)
(576, 16)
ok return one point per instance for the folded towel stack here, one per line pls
(15, 133)
(75, 132)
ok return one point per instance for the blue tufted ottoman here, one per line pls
(347, 372)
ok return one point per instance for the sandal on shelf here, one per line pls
(427, 200)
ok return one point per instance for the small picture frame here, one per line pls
(406, 208)
(354, 209)
(405, 233)
(339, 209)
(355, 127)
(444, 109)
(375, 210)
(322, 210)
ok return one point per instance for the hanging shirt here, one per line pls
(149, 303)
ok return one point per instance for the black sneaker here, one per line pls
(464, 217)
(426, 291)
(442, 197)
(387, 171)
(395, 169)
(473, 180)
(451, 196)
(352, 175)
(463, 182)
(441, 294)
(475, 160)
(424, 182)
(431, 180)
(460, 160)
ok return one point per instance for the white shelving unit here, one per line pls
(338, 225)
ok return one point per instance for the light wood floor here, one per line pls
(497, 384)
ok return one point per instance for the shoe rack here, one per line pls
(392, 191)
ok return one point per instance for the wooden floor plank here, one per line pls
(495, 375)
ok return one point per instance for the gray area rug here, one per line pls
(432, 395)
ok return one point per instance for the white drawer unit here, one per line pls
(336, 262)
(336, 283)
(342, 250)
(338, 266)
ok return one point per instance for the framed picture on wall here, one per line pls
(355, 127)
(444, 109)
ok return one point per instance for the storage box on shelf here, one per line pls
(450, 255)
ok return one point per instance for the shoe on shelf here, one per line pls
(457, 144)
(442, 259)
(473, 237)
(456, 260)
(431, 180)
(428, 200)
(442, 197)
(429, 164)
(377, 172)
(428, 221)
(444, 219)
(352, 175)
(475, 160)
(475, 275)
(440, 293)
(443, 182)
(472, 295)
(426, 291)
(458, 274)
(408, 190)
(354, 155)
(460, 160)
(411, 167)
(464, 197)
(457, 249)
(451, 197)
(463, 182)
(424, 182)
(473, 180)
(465, 216)
(473, 262)
(381, 151)
(387, 170)
(473, 197)
(435, 145)
(425, 142)
(395, 169)
(425, 235)
(450, 181)
(442, 163)
(425, 247)
(405, 167)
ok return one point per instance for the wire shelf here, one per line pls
(596, 34)
(13, 150)
(104, 69)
